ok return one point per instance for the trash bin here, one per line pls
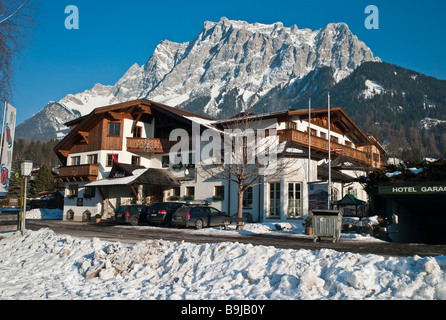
(326, 223)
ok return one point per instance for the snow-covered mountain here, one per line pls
(229, 63)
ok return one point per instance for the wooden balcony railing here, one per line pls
(155, 145)
(85, 172)
(321, 144)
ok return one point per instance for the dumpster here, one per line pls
(326, 223)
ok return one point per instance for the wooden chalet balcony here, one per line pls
(321, 145)
(85, 172)
(155, 145)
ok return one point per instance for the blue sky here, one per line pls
(114, 34)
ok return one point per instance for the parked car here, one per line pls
(161, 212)
(199, 217)
(131, 214)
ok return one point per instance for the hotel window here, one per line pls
(114, 129)
(137, 132)
(177, 191)
(92, 159)
(219, 192)
(111, 158)
(75, 161)
(190, 191)
(274, 200)
(294, 200)
(89, 192)
(291, 125)
(247, 198)
(72, 191)
(165, 161)
(334, 194)
(376, 157)
(136, 161)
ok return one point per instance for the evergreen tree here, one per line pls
(15, 182)
(44, 180)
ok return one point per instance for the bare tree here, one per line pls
(15, 21)
(251, 156)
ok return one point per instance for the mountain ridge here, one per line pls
(232, 65)
(254, 57)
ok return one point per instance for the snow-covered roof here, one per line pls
(117, 181)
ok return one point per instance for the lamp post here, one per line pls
(26, 168)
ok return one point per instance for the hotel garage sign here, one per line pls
(420, 189)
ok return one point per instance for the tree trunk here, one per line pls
(240, 224)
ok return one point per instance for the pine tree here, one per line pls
(44, 180)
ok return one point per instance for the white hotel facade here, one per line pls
(119, 154)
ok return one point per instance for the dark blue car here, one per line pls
(131, 214)
(199, 217)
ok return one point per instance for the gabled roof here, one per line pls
(126, 174)
(377, 144)
(340, 118)
(120, 170)
(158, 177)
(244, 116)
(337, 114)
(349, 199)
(132, 106)
(137, 108)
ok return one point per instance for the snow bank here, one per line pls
(292, 229)
(44, 265)
(44, 214)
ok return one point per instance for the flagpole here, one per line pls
(309, 138)
(309, 155)
(329, 155)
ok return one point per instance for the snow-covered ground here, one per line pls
(45, 214)
(45, 265)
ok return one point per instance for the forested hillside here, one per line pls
(395, 108)
(41, 153)
(403, 109)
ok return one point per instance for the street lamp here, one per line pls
(26, 168)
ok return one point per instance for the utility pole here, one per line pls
(309, 139)
(329, 155)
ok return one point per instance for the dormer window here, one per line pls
(291, 125)
(75, 161)
(111, 158)
(114, 129)
(137, 132)
(92, 159)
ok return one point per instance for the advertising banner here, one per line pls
(318, 196)
(8, 145)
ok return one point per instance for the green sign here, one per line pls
(412, 190)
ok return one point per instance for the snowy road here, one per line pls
(43, 265)
(279, 239)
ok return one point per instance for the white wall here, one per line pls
(93, 205)
(204, 185)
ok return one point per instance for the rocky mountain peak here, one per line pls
(230, 63)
